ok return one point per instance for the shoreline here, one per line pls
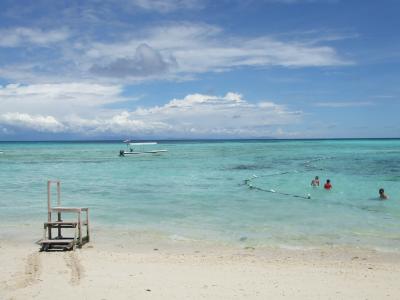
(188, 271)
(122, 237)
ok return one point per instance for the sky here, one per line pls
(199, 69)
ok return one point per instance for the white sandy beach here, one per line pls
(96, 272)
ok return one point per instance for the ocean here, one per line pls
(241, 192)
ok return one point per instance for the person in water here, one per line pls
(382, 194)
(327, 185)
(315, 181)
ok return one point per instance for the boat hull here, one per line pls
(144, 152)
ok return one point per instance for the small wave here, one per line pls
(248, 167)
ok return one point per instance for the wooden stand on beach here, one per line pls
(59, 242)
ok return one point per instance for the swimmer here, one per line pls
(315, 181)
(382, 194)
(327, 185)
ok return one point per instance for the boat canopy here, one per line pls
(143, 144)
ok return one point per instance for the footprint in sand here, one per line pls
(30, 275)
(76, 269)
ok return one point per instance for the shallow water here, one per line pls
(196, 190)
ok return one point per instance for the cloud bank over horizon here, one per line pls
(196, 115)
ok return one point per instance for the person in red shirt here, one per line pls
(327, 185)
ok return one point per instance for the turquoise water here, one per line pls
(196, 190)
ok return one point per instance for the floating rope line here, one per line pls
(248, 183)
(274, 174)
(307, 163)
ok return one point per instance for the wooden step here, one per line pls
(69, 209)
(57, 244)
(57, 241)
(61, 224)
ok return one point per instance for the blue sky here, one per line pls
(199, 69)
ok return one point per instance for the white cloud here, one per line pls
(175, 51)
(202, 48)
(57, 99)
(230, 115)
(196, 115)
(35, 122)
(14, 37)
(338, 104)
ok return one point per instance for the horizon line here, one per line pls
(198, 139)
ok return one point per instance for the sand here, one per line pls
(146, 272)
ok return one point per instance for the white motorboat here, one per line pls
(137, 148)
